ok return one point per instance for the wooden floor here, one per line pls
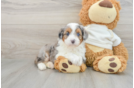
(21, 73)
(29, 24)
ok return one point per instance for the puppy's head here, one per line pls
(73, 34)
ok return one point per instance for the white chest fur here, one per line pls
(74, 54)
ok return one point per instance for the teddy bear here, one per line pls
(104, 50)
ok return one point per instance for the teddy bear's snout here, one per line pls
(106, 4)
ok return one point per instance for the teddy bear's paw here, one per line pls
(110, 64)
(41, 66)
(67, 67)
(64, 65)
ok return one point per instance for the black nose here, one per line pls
(73, 41)
(106, 4)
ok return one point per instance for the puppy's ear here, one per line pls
(84, 32)
(61, 33)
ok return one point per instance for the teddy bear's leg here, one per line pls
(121, 50)
(93, 52)
(63, 65)
(110, 64)
(83, 67)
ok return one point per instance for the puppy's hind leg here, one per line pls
(40, 59)
(39, 62)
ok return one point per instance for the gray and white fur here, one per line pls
(46, 57)
(74, 51)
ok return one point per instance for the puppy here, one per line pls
(46, 57)
(70, 44)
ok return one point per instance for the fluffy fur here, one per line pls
(73, 51)
(70, 45)
(46, 57)
(74, 54)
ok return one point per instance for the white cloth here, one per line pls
(101, 36)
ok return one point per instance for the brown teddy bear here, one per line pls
(104, 49)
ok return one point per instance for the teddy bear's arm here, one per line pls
(121, 50)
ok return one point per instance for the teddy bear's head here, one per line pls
(104, 12)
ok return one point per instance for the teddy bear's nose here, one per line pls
(106, 4)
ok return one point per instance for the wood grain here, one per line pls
(24, 41)
(52, 11)
(21, 73)
(29, 24)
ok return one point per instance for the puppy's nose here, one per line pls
(106, 4)
(73, 41)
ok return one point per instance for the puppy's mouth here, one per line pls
(72, 45)
(72, 42)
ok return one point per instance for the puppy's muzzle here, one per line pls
(72, 41)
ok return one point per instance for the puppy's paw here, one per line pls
(76, 60)
(50, 65)
(79, 62)
(41, 66)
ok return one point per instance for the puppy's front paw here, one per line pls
(77, 61)
(41, 66)
(50, 65)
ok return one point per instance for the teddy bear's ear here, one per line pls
(118, 5)
(84, 2)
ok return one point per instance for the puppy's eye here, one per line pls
(78, 34)
(67, 33)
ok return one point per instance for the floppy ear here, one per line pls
(84, 32)
(84, 2)
(61, 33)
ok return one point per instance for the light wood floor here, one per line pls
(21, 73)
(29, 24)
